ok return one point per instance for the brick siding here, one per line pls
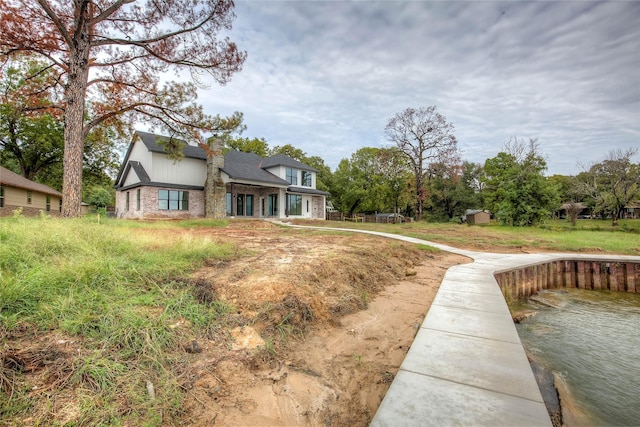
(149, 205)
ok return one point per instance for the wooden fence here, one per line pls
(386, 219)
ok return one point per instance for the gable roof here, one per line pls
(150, 141)
(246, 166)
(12, 179)
(138, 169)
(283, 160)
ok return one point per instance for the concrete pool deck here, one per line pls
(466, 365)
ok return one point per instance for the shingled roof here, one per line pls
(150, 140)
(240, 166)
(246, 167)
(12, 179)
(282, 160)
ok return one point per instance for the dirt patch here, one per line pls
(338, 314)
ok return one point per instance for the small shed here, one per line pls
(478, 217)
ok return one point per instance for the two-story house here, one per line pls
(151, 185)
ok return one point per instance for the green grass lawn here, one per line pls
(116, 288)
(588, 236)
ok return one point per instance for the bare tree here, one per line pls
(425, 137)
(109, 57)
(573, 210)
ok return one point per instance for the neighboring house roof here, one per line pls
(282, 160)
(14, 180)
(246, 167)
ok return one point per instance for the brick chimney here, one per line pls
(214, 188)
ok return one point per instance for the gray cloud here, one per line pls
(327, 76)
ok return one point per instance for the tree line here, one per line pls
(76, 77)
(426, 181)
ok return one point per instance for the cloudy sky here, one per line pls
(326, 76)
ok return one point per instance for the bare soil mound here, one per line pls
(336, 313)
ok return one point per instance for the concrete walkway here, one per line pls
(467, 366)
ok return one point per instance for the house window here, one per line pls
(126, 203)
(292, 176)
(244, 204)
(138, 199)
(249, 205)
(229, 205)
(48, 203)
(1, 196)
(60, 207)
(307, 206)
(306, 178)
(294, 207)
(28, 197)
(272, 207)
(240, 204)
(173, 200)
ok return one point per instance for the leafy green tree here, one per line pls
(516, 191)
(453, 189)
(570, 195)
(396, 176)
(101, 161)
(289, 150)
(444, 178)
(372, 180)
(100, 197)
(471, 192)
(34, 149)
(358, 183)
(612, 183)
(324, 177)
(257, 146)
(32, 138)
(566, 187)
(33, 144)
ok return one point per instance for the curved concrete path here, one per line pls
(467, 366)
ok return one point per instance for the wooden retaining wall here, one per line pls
(583, 274)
